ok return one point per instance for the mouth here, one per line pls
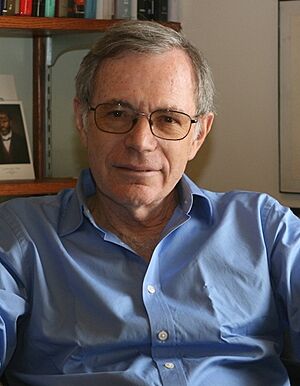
(137, 168)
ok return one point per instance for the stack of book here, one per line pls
(44, 8)
(160, 10)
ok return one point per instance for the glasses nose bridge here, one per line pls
(143, 114)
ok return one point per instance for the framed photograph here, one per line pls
(289, 102)
(15, 154)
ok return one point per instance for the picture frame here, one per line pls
(15, 152)
(289, 96)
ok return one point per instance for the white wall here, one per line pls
(239, 38)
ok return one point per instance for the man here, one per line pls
(13, 146)
(139, 277)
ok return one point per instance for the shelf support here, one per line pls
(39, 92)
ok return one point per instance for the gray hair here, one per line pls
(143, 37)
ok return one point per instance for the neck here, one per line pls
(140, 228)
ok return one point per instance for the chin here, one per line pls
(136, 196)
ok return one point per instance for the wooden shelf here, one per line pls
(35, 187)
(43, 26)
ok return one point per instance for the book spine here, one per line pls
(134, 7)
(38, 8)
(2, 6)
(17, 7)
(79, 8)
(71, 8)
(49, 8)
(25, 7)
(145, 9)
(122, 9)
(61, 8)
(108, 9)
(99, 9)
(90, 9)
(161, 10)
(11, 7)
(173, 10)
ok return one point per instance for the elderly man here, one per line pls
(138, 276)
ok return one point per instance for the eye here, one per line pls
(168, 119)
(116, 113)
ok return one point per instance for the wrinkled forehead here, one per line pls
(141, 65)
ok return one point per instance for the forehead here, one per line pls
(3, 116)
(169, 73)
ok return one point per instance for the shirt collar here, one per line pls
(194, 200)
(73, 204)
(7, 136)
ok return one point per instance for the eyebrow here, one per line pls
(125, 103)
(121, 102)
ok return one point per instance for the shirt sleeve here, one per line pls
(13, 303)
(282, 232)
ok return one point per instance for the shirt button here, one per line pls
(151, 289)
(169, 365)
(163, 335)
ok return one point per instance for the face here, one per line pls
(4, 124)
(136, 169)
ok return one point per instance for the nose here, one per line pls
(140, 137)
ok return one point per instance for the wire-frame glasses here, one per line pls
(118, 118)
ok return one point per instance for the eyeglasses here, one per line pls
(117, 118)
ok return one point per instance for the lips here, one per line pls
(137, 168)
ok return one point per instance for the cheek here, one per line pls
(101, 148)
(94, 147)
(178, 158)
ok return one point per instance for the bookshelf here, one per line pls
(64, 33)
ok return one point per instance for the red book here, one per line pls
(26, 7)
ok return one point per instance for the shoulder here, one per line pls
(29, 212)
(248, 205)
(235, 203)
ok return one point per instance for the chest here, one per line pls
(101, 296)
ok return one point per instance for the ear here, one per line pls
(77, 106)
(205, 122)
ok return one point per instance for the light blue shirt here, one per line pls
(217, 305)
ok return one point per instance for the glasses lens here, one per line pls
(169, 124)
(114, 118)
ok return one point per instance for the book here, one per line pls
(9, 8)
(75, 8)
(26, 7)
(38, 8)
(49, 8)
(122, 9)
(173, 10)
(17, 7)
(145, 9)
(134, 7)
(61, 8)
(108, 9)
(78, 8)
(161, 10)
(99, 9)
(90, 9)
(2, 6)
